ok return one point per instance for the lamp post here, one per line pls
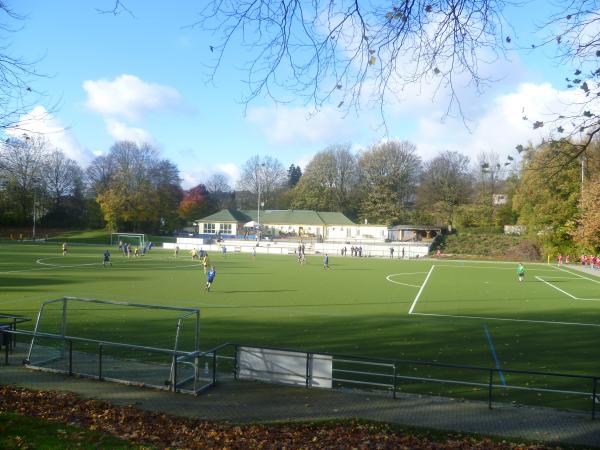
(35, 186)
(258, 176)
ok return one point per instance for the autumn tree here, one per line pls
(196, 203)
(328, 181)
(547, 201)
(587, 234)
(446, 183)
(136, 189)
(389, 173)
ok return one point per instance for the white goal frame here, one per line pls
(116, 237)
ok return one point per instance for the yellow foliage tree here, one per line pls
(588, 226)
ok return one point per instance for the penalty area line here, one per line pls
(576, 274)
(414, 303)
(503, 319)
(555, 287)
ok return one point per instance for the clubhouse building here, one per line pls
(293, 224)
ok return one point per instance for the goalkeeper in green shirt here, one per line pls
(521, 272)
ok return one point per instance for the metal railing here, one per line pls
(9, 322)
(405, 376)
(195, 372)
(167, 369)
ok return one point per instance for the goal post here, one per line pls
(138, 239)
(146, 344)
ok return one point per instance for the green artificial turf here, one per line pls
(463, 313)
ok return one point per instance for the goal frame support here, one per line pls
(116, 237)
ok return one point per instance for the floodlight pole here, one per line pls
(259, 176)
(36, 182)
(33, 231)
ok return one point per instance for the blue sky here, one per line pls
(144, 78)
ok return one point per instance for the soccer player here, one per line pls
(210, 277)
(176, 251)
(326, 262)
(194, 253)
(521, 272)
(106, 259)
(205, 263)
(64, 249)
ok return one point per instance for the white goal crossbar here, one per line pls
(128, 237)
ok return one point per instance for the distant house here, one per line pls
(413, 233)
(499, 199)
(330, 226)
(290, 222)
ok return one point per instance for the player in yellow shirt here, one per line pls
(205, 263)
(64, 249)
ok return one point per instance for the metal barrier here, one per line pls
(138, 365)
(195, 372)
(10, 322)
(397, 376)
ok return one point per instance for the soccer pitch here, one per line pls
(471, 313)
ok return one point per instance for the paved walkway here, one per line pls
(257, 402)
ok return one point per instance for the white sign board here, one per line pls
(286, 367)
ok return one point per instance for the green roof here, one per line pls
(286, 217)
(335, 218)
(279, 217)
(226, 216)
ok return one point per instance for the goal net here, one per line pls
(136, 239)
(145, 344)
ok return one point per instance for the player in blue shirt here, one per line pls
(210, 277)
(326, 261)
(106, 259)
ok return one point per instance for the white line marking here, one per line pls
(461, 266)
(406, 273)
(403, 284)
(410, 311)
(509, 320)
(565, 292)
(577, 275)
(557, 288)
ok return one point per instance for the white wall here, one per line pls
(377, 250)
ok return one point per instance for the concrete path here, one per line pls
(257, 402)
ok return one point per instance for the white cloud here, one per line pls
(285, 125)
(122, 132)
(129, 96)
(192, 176)
(41, 122)
(501, 127)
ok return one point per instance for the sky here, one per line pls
(143, 77)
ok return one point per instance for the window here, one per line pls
(225, 228)
(209, 228)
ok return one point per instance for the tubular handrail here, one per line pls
(343, 360)
(98, 341)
